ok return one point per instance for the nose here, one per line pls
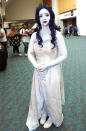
(44, 17)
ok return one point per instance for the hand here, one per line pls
(42, 67)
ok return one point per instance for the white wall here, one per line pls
(81, 16)
(55, 9)
(21, 9)
(67, 15)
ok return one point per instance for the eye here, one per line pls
(40, 15)
(47, 14)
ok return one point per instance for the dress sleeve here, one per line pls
(31, 44)
(61, 44)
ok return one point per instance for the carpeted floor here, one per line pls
(15, 87)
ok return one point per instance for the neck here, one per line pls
(45, 29)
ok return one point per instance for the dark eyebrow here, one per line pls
(44, 13)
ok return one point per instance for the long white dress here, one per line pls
(47, 87)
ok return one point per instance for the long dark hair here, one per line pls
(53, 27)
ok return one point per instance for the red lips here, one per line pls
(44, 21)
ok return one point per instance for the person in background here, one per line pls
(59, 28)
(3, 39)
(70, 30)
(66, 31)
(25, 38)
(30, 31)
(14, 40)
(33, 29)
(46, 52)
(75, 30)
(63, 30)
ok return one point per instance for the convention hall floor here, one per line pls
(15, 87)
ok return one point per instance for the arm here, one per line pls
(31, 56)
(2, 34)
(62, 50)
(11, 34)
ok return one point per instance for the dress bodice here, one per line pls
(45, 53)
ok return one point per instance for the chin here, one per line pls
(45, 24)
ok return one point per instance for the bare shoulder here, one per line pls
(58, 34)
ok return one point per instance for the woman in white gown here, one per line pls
(46, 52)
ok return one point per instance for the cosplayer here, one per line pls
(46, 52)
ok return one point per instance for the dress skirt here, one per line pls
(48, 89)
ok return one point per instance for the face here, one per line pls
(25, 26)
(44, 17)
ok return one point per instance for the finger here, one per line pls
(41, 69)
